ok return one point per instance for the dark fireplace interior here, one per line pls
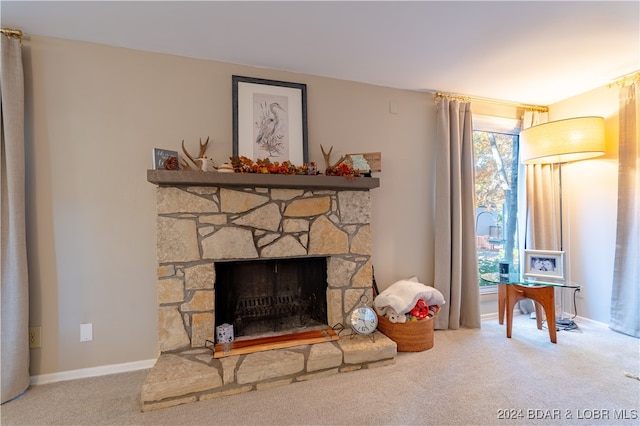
(271, 296)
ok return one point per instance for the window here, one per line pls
(495, 144)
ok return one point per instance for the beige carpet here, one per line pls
(470, 377)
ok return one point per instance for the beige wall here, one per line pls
(590, 193)
(94, 113)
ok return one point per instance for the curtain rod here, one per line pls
(627, 78)
(463, 98)
(9, 32)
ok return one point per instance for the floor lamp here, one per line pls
(557, 143)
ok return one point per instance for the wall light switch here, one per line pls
(86, 332)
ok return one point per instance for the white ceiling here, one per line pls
(536, 52)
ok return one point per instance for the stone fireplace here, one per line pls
(206, 219)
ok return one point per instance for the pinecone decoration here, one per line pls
(171, 163)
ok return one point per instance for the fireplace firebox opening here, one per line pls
(260, 297)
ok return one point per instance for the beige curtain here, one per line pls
(625, 294)
(14, 296)
(542, 198)
(456, 264)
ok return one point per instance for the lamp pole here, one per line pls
(561, 320)
(560, 205)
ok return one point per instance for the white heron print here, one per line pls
(271, 130)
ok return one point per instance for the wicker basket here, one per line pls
(412, 336)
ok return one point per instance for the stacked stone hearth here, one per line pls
(199, 225)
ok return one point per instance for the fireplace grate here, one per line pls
(269, 307)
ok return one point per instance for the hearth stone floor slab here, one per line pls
(194, 375)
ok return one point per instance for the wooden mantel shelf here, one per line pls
(197, 178)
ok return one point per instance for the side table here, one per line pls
(514, 289)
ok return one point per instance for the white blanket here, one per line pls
(403, 295)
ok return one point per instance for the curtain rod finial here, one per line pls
(10, 32)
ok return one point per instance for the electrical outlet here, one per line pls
(580, 292)
(35, 337)
(86, 332)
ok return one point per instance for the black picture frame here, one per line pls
(263, 130)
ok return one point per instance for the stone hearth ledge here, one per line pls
(195, 375)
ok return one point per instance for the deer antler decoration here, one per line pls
(197, 162)
(327, 161)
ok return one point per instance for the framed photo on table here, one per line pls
(270, 120)
(544, 264)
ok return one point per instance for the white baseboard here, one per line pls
(489, 316)
(494, 315)
(590, 321)
(84, 373)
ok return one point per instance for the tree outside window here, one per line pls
(496, 178)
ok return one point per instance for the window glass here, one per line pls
(496, 179)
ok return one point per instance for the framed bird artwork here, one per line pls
(270, 120)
